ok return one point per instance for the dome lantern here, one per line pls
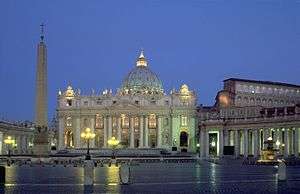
(141, 61)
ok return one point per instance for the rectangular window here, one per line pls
(166, 121)
(152, 121)
(99, 122)
(136, 122)
(184, 120)
(153, 102)
(69, 102)
(125, 121)
(114, 122)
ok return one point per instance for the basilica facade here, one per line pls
(140, 114)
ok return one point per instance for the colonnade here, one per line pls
(248, 142)
(20, 146)
(132, 133)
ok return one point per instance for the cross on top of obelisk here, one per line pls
(42, 31)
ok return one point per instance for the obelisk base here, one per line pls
(40, 144)
(41, 149)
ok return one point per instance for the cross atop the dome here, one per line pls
(42, 31)
(141, 62)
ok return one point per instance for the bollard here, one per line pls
(88, 172)
(281, 171)
(113, 161)
(2, 175)
(124, 174)
(161, 159)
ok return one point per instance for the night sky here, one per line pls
(94, 44)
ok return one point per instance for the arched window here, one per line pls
(69, 122)
(258, 100)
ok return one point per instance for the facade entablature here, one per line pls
(92, 101)
(274, 120)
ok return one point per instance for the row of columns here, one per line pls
(244, 144)
(108, 131)
(22, 142)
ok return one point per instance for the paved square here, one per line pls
(154, 178)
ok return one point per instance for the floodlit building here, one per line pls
(140, 114)
(246, 114)
(20, 135)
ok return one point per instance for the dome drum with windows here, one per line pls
(141, 80)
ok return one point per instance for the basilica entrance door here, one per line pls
(183, 139)
(213, 144)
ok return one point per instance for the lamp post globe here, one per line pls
(113, 142)
(87, 135)
(9, 141)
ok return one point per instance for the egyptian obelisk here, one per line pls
(41, 143)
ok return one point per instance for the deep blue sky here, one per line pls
(94, 44)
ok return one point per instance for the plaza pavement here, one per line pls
(154, 178)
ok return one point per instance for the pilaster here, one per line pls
(61, 125)
(146, 132)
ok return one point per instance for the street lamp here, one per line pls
(88, 135)
(198, 149)
(9, 141)
(113, 142)
(213, 144)
(270, 139)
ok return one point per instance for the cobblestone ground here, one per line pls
(154, 178)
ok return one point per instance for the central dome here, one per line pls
(141, 80)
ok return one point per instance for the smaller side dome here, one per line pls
(184, 90)
(185, 93)
(69, 93)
